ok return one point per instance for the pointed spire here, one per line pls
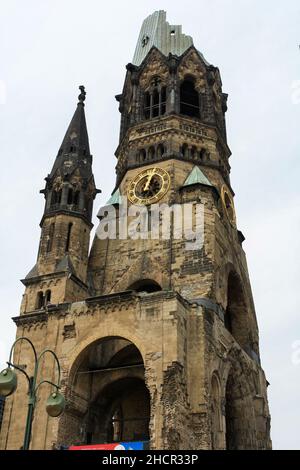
(75, 145)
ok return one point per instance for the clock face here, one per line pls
(149, 186)
(228, 204)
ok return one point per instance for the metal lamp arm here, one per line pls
(11, 364)
(22, 338)
(46, 382)
(57, 362)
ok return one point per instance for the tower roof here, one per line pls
(75, 150)
(196, 177)
(156, 31)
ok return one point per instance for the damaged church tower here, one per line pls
(158, 344)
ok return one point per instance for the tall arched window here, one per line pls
(40, 300)
(189, 99)
(70, 196)
(194, 152)
(155, 100)
(160, 150)
(217, 439)
(151, 153)
(47, 297)
(50, 238)
(76, 198)
(142, 155)
(70, 225)
(185, 150)
(55, 197)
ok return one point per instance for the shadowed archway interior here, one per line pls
(108, 398)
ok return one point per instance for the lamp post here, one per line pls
(8, 383)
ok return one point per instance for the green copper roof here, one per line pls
(156, 31)
(196, 176)
(115, 198)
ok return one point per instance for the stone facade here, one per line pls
(156, 342)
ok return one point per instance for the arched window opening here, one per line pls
(59, 196)
(145, 285)
(56, 197)
(216, 415)
(40, 300)
(194, 152)
(142, 155)
(155, 100)
(185, 150)
(70, 225)
(70, 196)
(147, 105)
(50, 238)
(151, 153)
(236, 315)
(160, 150)
(163, 100)
(155, 105)
(189, 99)
(53, 198)
(72, 149)
(76, 198)
(202, 154)
(47, 297)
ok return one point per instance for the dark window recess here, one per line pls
(73, 197)
(151, 153)
(189, 99)
(50, 238)
(160, 150)
(47, 297)
(55, 197)
(202, 154)
(185, 150)
(142, 155)
(40, 300)
(145, 285)
(69, 236)
(70, 196)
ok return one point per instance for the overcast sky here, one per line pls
(49, 48)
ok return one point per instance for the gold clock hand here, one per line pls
(146, 187)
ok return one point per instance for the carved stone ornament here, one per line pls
(154, 68)
(191, 65)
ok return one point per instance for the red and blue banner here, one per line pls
(138, 445)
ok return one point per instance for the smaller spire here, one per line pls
(196, 177)
(82, 95)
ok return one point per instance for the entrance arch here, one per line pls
(108, 400)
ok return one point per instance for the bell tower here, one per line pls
(158, 341)
(60, 273)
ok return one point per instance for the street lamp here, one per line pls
(9, 381)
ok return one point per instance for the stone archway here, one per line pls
(107, 398)
(240, 423)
